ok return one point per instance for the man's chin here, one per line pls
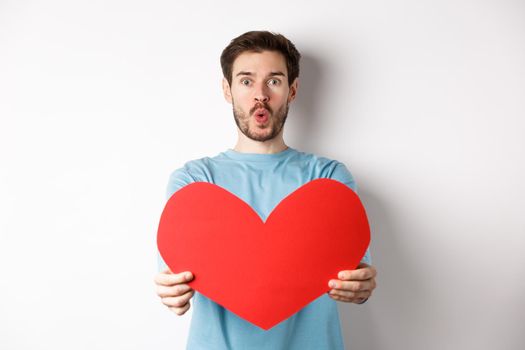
(260, 137)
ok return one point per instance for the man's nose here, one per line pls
(261, 93)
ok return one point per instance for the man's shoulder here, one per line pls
(192, 168)
(327, 167)
(322, 161)
(197, 169)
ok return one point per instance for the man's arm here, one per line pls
(171, 287)
(353, 286)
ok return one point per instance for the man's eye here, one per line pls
(245, 82)
(273, 81)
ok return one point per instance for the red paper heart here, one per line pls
(263, 271)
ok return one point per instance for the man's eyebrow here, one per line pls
(243, 73)
(272, 74)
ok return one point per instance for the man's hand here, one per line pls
(354, 286)
(173, 290)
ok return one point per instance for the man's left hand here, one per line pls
(354, 286)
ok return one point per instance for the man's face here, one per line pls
(260, 94)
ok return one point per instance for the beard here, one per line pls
(274, 125)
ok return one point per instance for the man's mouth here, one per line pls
(261, 115)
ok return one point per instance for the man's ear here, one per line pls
(226, 90)
(293, 90)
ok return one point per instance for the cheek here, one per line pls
(240, 93)
(241, 100)
(280, 101)
(280, 96)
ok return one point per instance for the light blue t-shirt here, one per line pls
(262, 181)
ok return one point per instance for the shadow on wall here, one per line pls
(396, 307)
(307, 108)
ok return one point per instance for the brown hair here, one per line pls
(258, 41)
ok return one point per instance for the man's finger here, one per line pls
(354, 286)
(179, 301)
(349, 300)
(360, 274)
(172, 291)
(170, 279)
(180, 310)
(350, 295)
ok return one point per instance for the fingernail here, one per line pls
(188, 275)
(332, 284)
(341, 275)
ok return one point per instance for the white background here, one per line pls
(422, 100)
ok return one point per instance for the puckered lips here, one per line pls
(261, 115)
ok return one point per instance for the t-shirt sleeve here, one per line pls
(178, 179)
(342, 174)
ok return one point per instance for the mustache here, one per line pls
(260, 105)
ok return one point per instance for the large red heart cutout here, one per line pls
(263, 272)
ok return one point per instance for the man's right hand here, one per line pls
(173, 290)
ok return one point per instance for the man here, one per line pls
(261, 72)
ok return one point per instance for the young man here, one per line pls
(261, 72)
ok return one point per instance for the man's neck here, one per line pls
(246, 145)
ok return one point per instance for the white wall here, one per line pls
(101, 100)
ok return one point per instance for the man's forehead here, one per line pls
(259, 63)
